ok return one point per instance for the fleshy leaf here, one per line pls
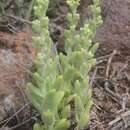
(34, 95)
(52, 100)
(37, 127)
(84, 118)
(66, 112)
(48, 118)
(62, 124)
(59, 83)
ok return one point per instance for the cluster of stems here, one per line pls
(61, 92)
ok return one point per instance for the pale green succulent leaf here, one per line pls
(59, 83)
(34, 95)
(52, 100)
(37, 127)
(94, 48)
(62, 124)
(71, 74)
(77, 58)
(79, 106)
(48, 118)
(83, 121)
(66, 112)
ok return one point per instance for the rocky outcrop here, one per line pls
(115, 31)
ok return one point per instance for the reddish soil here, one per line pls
(16, 62)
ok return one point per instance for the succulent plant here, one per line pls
(62, 82)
